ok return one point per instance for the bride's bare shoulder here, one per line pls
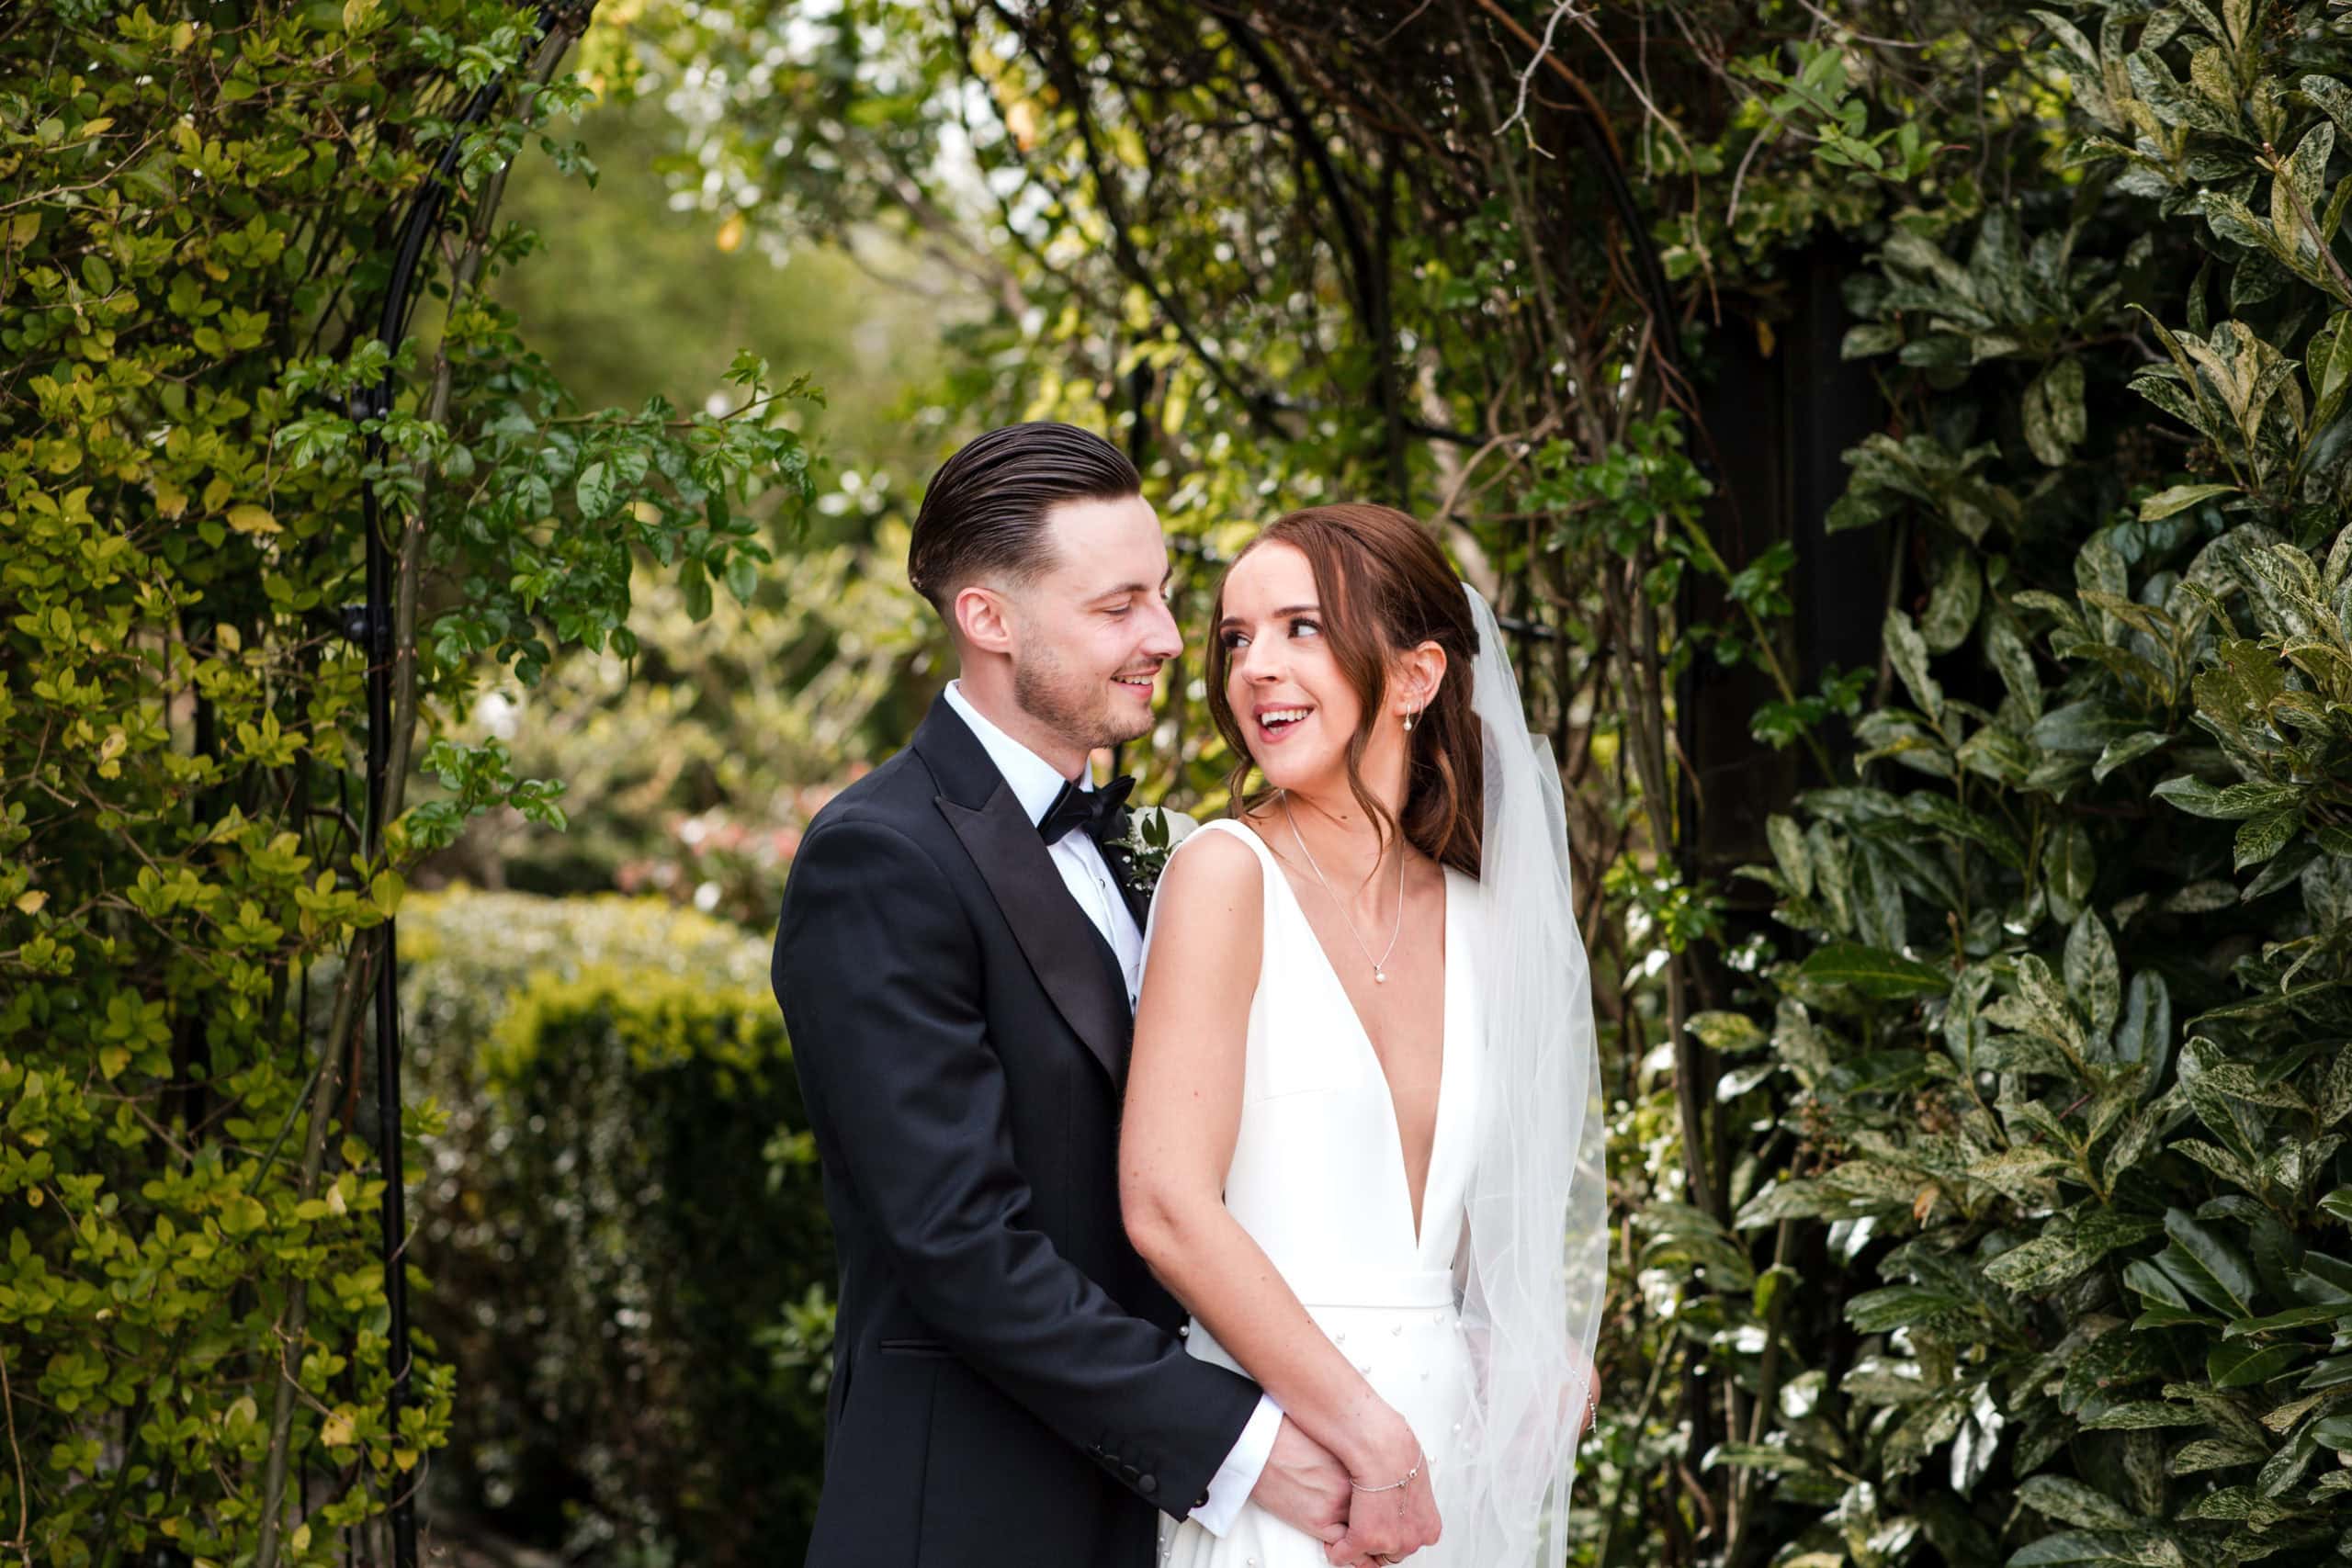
(1207, 918)
(1211, 865)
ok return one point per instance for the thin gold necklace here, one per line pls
(1379, 964)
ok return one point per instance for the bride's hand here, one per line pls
(1389, 1523)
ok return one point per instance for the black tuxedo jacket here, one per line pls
(1008, 1387)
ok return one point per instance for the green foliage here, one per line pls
(2054, 1041)
(632, 1265)
(193, 210)
(1820, 94)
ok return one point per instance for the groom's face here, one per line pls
(1092, 631)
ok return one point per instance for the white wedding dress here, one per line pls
(1318, 1179)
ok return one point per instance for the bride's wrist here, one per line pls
(1388, 1451)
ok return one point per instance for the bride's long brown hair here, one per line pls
(1384, 588)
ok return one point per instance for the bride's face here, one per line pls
(1295, 704)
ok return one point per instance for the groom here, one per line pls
(957, 964)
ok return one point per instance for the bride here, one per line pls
(1361, 1141)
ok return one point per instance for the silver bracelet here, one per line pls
(1421, 1459)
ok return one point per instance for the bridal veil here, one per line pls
(1534, 1261)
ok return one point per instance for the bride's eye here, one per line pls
(1302, 625)
(1231, 640)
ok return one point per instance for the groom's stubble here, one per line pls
(1071, 704)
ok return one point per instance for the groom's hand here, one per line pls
(1303, 1485)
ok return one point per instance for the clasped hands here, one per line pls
(1365, 1523)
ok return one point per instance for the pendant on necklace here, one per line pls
(1381, 976)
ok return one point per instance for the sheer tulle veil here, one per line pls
(1533, 1262)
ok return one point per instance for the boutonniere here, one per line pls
(1153, 833)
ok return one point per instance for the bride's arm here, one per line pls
(1184, 1112)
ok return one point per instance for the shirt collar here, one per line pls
(1034, 782)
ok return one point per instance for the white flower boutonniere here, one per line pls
(1153, 833)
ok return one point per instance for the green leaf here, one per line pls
(2215, 1453)
(2244, 1366)
(594, 492)
(2180, 498)
(2089, 726)
(1908, 651)
(1903, 1306)
(2329, 352)
(2212, 1266)
(2072, 1502)
(2234, 803)
(1726, 1031)
(2129, 749)
(2092, 978)
(1873, 971)
(743, 577)
(2293, 1317)
(1952, 604)
(2302, 175)
(2124, 1549)
(2052, 412)
(2014, 663)
(2261, 837)
(2333, 1372)
(2046, 1008)
(2145, 1035)
(2334, 99)
(386, 891)
(2066, 1248)
(1788, 851)
(2143, 1415)
(694, 584)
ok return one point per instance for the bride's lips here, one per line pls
(1276, 722)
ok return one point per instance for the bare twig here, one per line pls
(1560, 12)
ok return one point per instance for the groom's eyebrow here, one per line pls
(1126, 589)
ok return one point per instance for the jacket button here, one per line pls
(1147, 1485)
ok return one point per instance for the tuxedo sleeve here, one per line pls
(877, 970)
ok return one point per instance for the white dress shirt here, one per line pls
(1035, 783)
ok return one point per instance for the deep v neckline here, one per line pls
(1416, 1212)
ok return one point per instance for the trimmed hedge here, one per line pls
(623, 1221)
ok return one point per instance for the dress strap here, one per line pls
(1242, 831)
(1267, 867)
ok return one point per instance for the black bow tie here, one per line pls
(1096, 810)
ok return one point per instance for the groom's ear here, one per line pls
(983, 618)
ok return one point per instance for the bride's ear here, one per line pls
(1414, 681)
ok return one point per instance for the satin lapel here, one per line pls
(1060, 943)
(1070, 959)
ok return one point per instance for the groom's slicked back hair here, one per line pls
(984, 512)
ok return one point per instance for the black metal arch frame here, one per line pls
(371, 625)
